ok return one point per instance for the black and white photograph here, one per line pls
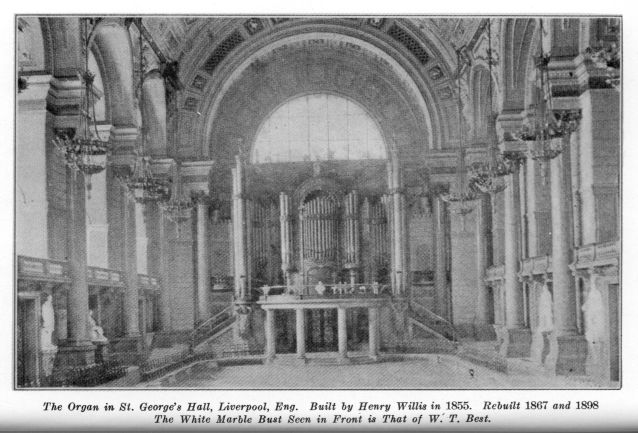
(259, 202)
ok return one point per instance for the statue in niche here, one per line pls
(97, 333)
(540, 347)
(47, 325)
(594, 314)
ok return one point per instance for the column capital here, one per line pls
(123, 144)
(63, 101)
(35, 96)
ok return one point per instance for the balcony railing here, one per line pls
(539, 265)
(32, 268)
(606, 253)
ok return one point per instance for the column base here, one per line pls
(76, 354)
(516, 342)
(567, 355)
(484, 332)
(128, 350)
(270, 359)
(343, 360)
(164, 339)
(287, 359)
(101, 351)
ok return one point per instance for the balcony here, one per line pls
(495, 273)
(596, 255)
(535, 266)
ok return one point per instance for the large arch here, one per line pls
(423, 87)
(518, 42)
(276, 78)
(114, 54)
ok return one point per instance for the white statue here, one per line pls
(48, 325)
(545, 311)
(320, 288)
(375, 287)
(97, 333)
(594, 314)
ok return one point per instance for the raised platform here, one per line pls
(293, 301)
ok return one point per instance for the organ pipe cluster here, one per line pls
(351, 230)
(320, 229)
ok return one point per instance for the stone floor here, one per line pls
(418, 372)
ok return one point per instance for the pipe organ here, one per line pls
(317, 233)
(330, 239)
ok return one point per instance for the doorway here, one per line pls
(27, 341)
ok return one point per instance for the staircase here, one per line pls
(430, 322)
(213, 327)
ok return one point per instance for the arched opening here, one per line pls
(318, 127)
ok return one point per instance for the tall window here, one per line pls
(318, 127)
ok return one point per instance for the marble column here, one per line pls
(570, 347)
(286, 237)
(342, 331)
(532, 231)
(203, 261)
(131, 295)
(66, 215)
(517, 338)
(77, 348)
(300, 323)
(165, 294)
(397, 227)
(270, 334)
(154, 112)
(483, 328)
(440, 270)
(373, 332)
(239, 231)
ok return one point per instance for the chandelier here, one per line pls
(82, 148)
(143, 185)
(178, 209)
(545, 130)
(462, 193)
(489, 177)
(607, 58)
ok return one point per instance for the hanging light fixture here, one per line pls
(489, 177)
(144, 186)
(605, 54)
(545, 130)
(177, 209)
(462, 193)
(82, 147)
